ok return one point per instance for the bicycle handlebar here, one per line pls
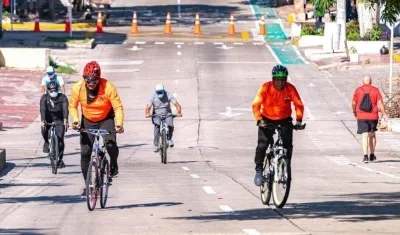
(97, 132)
(163, 117)
(278, 126)
(55, 124)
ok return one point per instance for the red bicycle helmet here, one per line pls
(92, 71)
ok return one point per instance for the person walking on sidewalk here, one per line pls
(366, 101)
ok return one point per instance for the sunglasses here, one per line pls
(90, 80)
(52, 90)
(159, 92)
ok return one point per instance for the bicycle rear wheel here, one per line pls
(284, 180)
(92, 189)
(266, 186)
(164, 146)
(104, 177)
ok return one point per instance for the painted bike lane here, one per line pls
(276, 37)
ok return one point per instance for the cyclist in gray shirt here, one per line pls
(160, 101)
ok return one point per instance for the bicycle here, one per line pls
(54, 146)
(163, 138)
(275, 159)
(101, 166)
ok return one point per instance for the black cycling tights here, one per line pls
(88, 139)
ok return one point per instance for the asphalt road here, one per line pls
(207, 186)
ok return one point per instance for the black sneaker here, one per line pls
(372, 157)
(114, 170)
(365, 159)
(60, 164)
(83, 195)
(46, 148)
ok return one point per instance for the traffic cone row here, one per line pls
(168, 25)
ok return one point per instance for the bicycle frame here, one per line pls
(277, 150)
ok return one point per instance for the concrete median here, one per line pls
(2, 158)
(24, 58)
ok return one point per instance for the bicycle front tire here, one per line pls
(266, 186)
(164, 146)
(280, 203)
(91, 198)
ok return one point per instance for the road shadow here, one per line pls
(25, 231)
(7, 168)
(355, 208)
(31, 185)
(27, 158)
(30, 39)
(185, 162)
(155, 204)
(68, 199)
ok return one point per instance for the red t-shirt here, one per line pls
(375, 96)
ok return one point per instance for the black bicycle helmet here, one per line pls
(279, 71)
(52, 85)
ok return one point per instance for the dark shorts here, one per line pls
(366, 126)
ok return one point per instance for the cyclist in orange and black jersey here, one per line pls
(272, 104)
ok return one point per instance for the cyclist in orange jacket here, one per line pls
(272, 104)
(100, 104)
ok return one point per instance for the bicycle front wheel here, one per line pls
(164, 146)
(104, 177)
(92, 189)
(265, 188)
(281, 185)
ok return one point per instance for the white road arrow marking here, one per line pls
(224, 47)
(229, 113)
(135, 48)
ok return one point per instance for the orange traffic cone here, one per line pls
(67, 24)
(231, 30)
(262, 26)
(99, 23)
(168, 26)
(37, 27)
(197, 30)
(134, 24)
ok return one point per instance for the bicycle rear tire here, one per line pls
(53, 153)
(281, 203)
(104, 177)
(164, 146)
(92, 204)
(266, 186)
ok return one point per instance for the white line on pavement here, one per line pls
(179, 53)
(185, 168)
(195, 176)
(236, 62)
(198, 43)
(251, 231)
(159, 43)
(209, 190)
(140, 42)
(120, 70)
(226, 208)
(179, 43)
(379, 172)
(121, 62)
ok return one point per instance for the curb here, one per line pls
(2, 158)
(31, 26)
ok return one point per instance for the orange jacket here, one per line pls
(107, 98)
(276, 105)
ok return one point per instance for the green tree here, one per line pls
(391, 11)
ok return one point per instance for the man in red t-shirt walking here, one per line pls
(368, 121)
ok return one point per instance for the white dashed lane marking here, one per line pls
(251, 231)
(185, 168)
(195, 176)
(226, 208)
(209, 190)
(340, 160)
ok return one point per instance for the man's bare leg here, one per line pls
(372, 145)
(365, 142)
